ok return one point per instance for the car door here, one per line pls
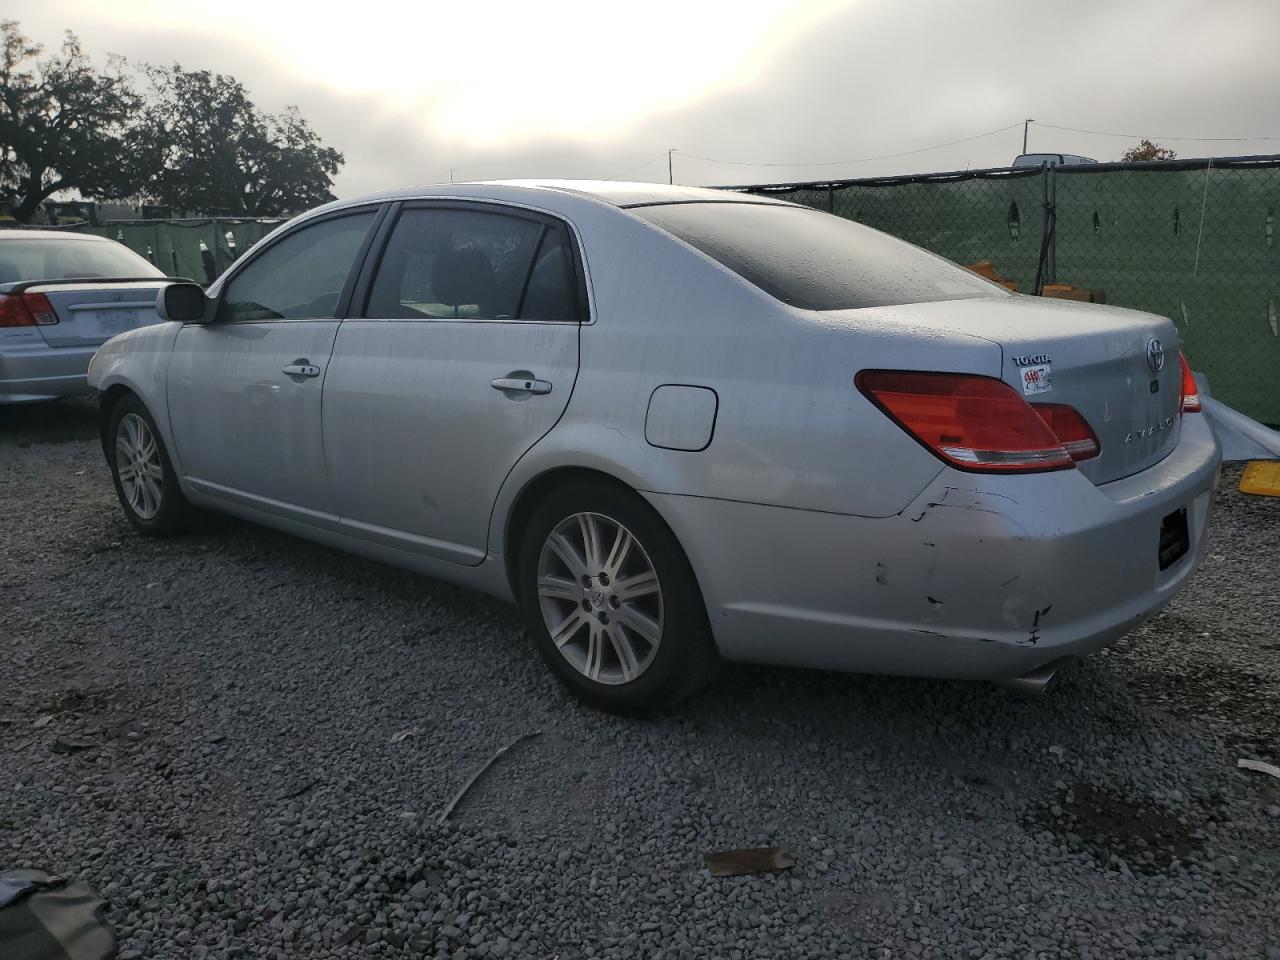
(464, 357)
(244, 390)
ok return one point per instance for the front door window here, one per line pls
(299, 277)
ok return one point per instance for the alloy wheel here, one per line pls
(600, 598)
(138, 466)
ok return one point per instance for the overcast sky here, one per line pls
(558, 88)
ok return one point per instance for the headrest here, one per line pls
(462, 276)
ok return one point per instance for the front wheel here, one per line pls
(611, 601)
(144, 478)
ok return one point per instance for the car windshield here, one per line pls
(813, 260)
(58, 258)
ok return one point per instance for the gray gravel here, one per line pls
(203, 729)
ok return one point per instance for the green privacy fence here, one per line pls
(196, 249)
(1195, 240)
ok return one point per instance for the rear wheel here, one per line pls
(611, 601)
(144, 478)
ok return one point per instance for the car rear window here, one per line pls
(814, 260)
(60, 259)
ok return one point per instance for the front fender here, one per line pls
(138, 361)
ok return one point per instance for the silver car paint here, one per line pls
(244, 429)
(980, 577)
(819, 532)
(43, 363)
(428, 386)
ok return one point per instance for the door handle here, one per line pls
(301, 369)
(524, 385)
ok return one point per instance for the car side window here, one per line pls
(552, 291)
(300, 276)
(452, 264)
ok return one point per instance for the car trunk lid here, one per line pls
(93, 311)
(1118, 368)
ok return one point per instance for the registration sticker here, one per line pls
(1036, 379)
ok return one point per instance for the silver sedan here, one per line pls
(63, 295)
(679, 425)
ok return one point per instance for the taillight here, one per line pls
(1071, 429)
(26, 310)
(973, 423)
(1190, 389)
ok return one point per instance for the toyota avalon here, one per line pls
(676, 426)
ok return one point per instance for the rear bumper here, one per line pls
(36, 371)
(981, 577)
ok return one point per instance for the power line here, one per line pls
(836, 163)
(656, 156)
(1147, 136)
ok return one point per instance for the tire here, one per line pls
(154, 504)
(631, 630)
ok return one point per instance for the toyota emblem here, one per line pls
(1155, 355)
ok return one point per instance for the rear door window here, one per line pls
(301, 275)
(813, 260)
(552, 291)
(445, 263)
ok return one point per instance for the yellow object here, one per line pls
(1261, 477)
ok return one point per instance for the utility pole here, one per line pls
(451, 169)
(1025, 123)
(670, 179)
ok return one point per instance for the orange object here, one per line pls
(1067, 291)
(985, 268)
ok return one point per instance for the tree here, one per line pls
(1146, 150)
(213, 151)
(63, 125)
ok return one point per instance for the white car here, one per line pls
(1049, 160)
(677, 425)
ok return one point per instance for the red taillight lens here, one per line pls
(1071, 429)
(26, 310)
(38, 306)
(973, 423)
(13, 312)
(1190, 389)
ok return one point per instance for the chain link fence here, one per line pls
(198, 249)
(1192, 240)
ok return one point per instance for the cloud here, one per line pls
(875, 77)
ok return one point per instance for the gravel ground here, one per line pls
(244, 741)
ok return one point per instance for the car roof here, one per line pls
(616, 193)
(638, 193)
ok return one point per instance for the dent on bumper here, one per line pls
(980, 577)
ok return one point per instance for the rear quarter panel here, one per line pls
(791, 427)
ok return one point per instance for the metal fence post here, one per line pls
(1045, 265)
(1051, 210)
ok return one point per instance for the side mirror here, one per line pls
(183, 302)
